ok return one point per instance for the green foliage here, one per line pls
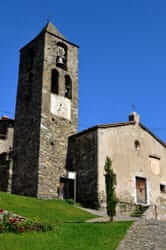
(110, 180)
(108, 165)
(70, 201)
(138, 211)
(21, 225)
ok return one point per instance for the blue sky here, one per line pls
(122, 57)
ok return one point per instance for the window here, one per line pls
(162, 188)
(55, 82)
(137, 145)
(61, 60)
(68, 87)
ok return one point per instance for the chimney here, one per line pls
(134, 117)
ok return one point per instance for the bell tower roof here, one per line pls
(50, 28)
(53, 30)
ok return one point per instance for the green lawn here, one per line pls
(52, 211)
(71, 233)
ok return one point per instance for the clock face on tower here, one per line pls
(61, 106)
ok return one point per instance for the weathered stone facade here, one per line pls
(138, 159)
(84, 162)
(6, 143)
(44, 119)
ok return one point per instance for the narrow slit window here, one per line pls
(68, 87)
(55, 82)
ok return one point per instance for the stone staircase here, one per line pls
(139, 211)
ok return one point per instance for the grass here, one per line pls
(52, 211)
(71, 233)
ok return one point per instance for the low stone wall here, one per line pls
(122, 209)
(156, 212)
(125, 209)
(153, 212)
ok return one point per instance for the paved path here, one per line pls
(102, 216)
(116, 218)
(94, 211)
(145, 235)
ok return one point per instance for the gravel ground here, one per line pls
(145, 235)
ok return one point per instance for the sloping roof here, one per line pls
(152, 134)
(113, 125)
(52, 29)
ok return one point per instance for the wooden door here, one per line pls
(141, 190)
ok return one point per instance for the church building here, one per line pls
(138, 160)
(43, 155)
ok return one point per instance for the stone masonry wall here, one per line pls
(41, 137)
(55, 130)
(27, 119)
(84, 162)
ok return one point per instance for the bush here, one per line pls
(70, 201)
(138, 211)
(17, 224)
(110, 189)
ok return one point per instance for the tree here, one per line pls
(110, 181)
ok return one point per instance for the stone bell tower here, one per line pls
(46, 113)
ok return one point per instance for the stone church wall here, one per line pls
(27, 119)
(84, 162)
(129, 162)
